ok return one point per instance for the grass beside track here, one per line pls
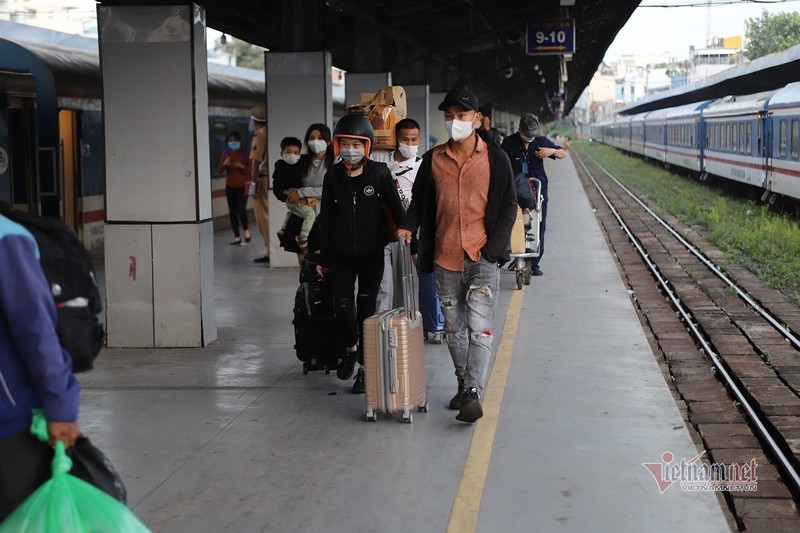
(748, 232)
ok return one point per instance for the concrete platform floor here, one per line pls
(234, 437)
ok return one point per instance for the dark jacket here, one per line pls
(35, 371)
(515, 148)
(285, 177)
(352, 216)
(501, 209)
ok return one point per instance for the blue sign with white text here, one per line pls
(550, 36)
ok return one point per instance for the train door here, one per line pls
(764, 145)
(69, 144)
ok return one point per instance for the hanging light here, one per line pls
(223, 40)
(543, 80)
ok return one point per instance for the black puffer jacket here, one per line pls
(352, 217)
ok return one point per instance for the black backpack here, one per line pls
(68, 269)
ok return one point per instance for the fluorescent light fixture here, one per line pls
(567, 2)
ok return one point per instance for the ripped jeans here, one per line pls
(469, 299)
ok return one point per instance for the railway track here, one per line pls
(729, 346)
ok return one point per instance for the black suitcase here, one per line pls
(317, 341)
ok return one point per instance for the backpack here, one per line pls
(68, 269)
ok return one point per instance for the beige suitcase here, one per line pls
(394, 354)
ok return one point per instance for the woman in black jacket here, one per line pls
(353, 233)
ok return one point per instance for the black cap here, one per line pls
(529, 125)
(461, 97)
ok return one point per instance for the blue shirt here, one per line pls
(524, 160)
(35, 371)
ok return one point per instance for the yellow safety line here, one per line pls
(464, 516)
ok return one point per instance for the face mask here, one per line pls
(317, 146)
(526, 139)
(234, 145)
(406, 150)
(291, 158)
(458, 130)
(352, 156)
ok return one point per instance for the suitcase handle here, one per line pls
(410, 282)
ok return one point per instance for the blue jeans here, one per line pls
(469, 299)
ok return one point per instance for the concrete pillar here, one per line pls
(436, 125)
(158, 233)
(357, 83)
(299, 93)
(418, 109)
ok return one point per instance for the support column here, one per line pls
(299, 93)
(358, 82)
(436, 124)
(158, 233)
(418, 109)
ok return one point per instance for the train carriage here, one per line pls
(685, 131)
(655, 134)
(637, 133)
(783, 165)
(618, 134)
(735, 144)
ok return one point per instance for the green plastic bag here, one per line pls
(67, 504)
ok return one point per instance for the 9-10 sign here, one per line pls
(550, 36)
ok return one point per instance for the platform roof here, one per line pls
(444, 43)
(763, 74)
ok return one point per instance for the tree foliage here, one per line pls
(246, 55)
(771, 33)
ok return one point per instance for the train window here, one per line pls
(734, 137)
(742, 143)
(719, 136)
(727, 137)
(782, 138)
(748, 138)
(795, 138)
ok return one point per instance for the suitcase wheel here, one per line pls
(371, 416)
(327, 369)
(407, 417)
(305, 369)
(423, 408)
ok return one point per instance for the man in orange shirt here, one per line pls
(464, 204)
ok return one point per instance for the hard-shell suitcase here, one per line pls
(394, 354)
(431, 307)
(317, 341)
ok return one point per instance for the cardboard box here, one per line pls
(384, 110)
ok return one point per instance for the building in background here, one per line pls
(77, 17)
(724, 53)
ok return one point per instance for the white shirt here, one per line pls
(404, 172)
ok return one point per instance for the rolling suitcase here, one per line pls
(317, 341)
(394, 354)
(431, 307)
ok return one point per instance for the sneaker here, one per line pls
(536, 271)
(471, 409)
(262, 259)
(358, 386)
(345, 369)
(455, 403)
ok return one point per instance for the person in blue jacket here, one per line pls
(35, 371)
(528, 149)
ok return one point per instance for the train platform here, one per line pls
(234, 437)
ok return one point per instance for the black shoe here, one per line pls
(348, 364)
(455, 403)
(471, 409)
(262, 259)
(536, 271)
(358, 386)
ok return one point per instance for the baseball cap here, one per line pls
(461, 97)
(529, 125)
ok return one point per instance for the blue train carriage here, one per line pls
(638, 133)
(783, 167)
(685, 132)
(619, 133)
(655, 135)
(736, 147)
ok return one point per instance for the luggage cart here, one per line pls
(525, 237)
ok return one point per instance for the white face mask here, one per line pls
(458, 130)
(526, 139)
(352, 156)
(292, 159)
(406, 150)
(317, 146)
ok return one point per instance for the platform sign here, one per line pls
(550, 36)
(555, 95)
